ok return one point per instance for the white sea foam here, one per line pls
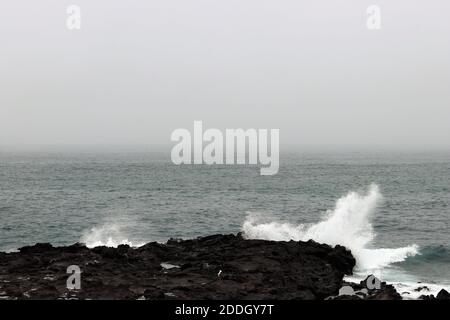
(407, 285)
(109, 235)
(349, 224)
(408, 289)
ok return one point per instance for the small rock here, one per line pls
(422, 288)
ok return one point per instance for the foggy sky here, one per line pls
(137, 70)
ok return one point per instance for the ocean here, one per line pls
(390, 208)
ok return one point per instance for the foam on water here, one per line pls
(409, 290)
(348, 224)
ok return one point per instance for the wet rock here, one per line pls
(37, 248)
(443, 295)
(387, 292)
(213, 267)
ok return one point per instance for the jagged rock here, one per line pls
(443, 295)
(213, 267)
(387, 292)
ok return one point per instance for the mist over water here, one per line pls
(391, 209)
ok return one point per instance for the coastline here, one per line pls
(215, 267)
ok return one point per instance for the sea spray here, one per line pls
(348, 224)
(109, 235)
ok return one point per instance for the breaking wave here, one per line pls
(109, 235)
(348, 224)
(437, 254)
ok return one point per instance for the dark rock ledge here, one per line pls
(442, 295)
(213, 267)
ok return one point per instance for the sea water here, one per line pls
(391, 209)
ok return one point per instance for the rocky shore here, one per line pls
(213, 267)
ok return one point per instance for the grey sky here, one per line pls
(137, 70)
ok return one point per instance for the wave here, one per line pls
(109, 235)
(349, 224)
(435, 254)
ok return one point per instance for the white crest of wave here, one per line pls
(349, 225)
(109, 235)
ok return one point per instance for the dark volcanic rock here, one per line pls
(427, 297)
(443, 295)
(387, 292)
(383, 292)
(213, 267)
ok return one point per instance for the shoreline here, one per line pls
(215, 267)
